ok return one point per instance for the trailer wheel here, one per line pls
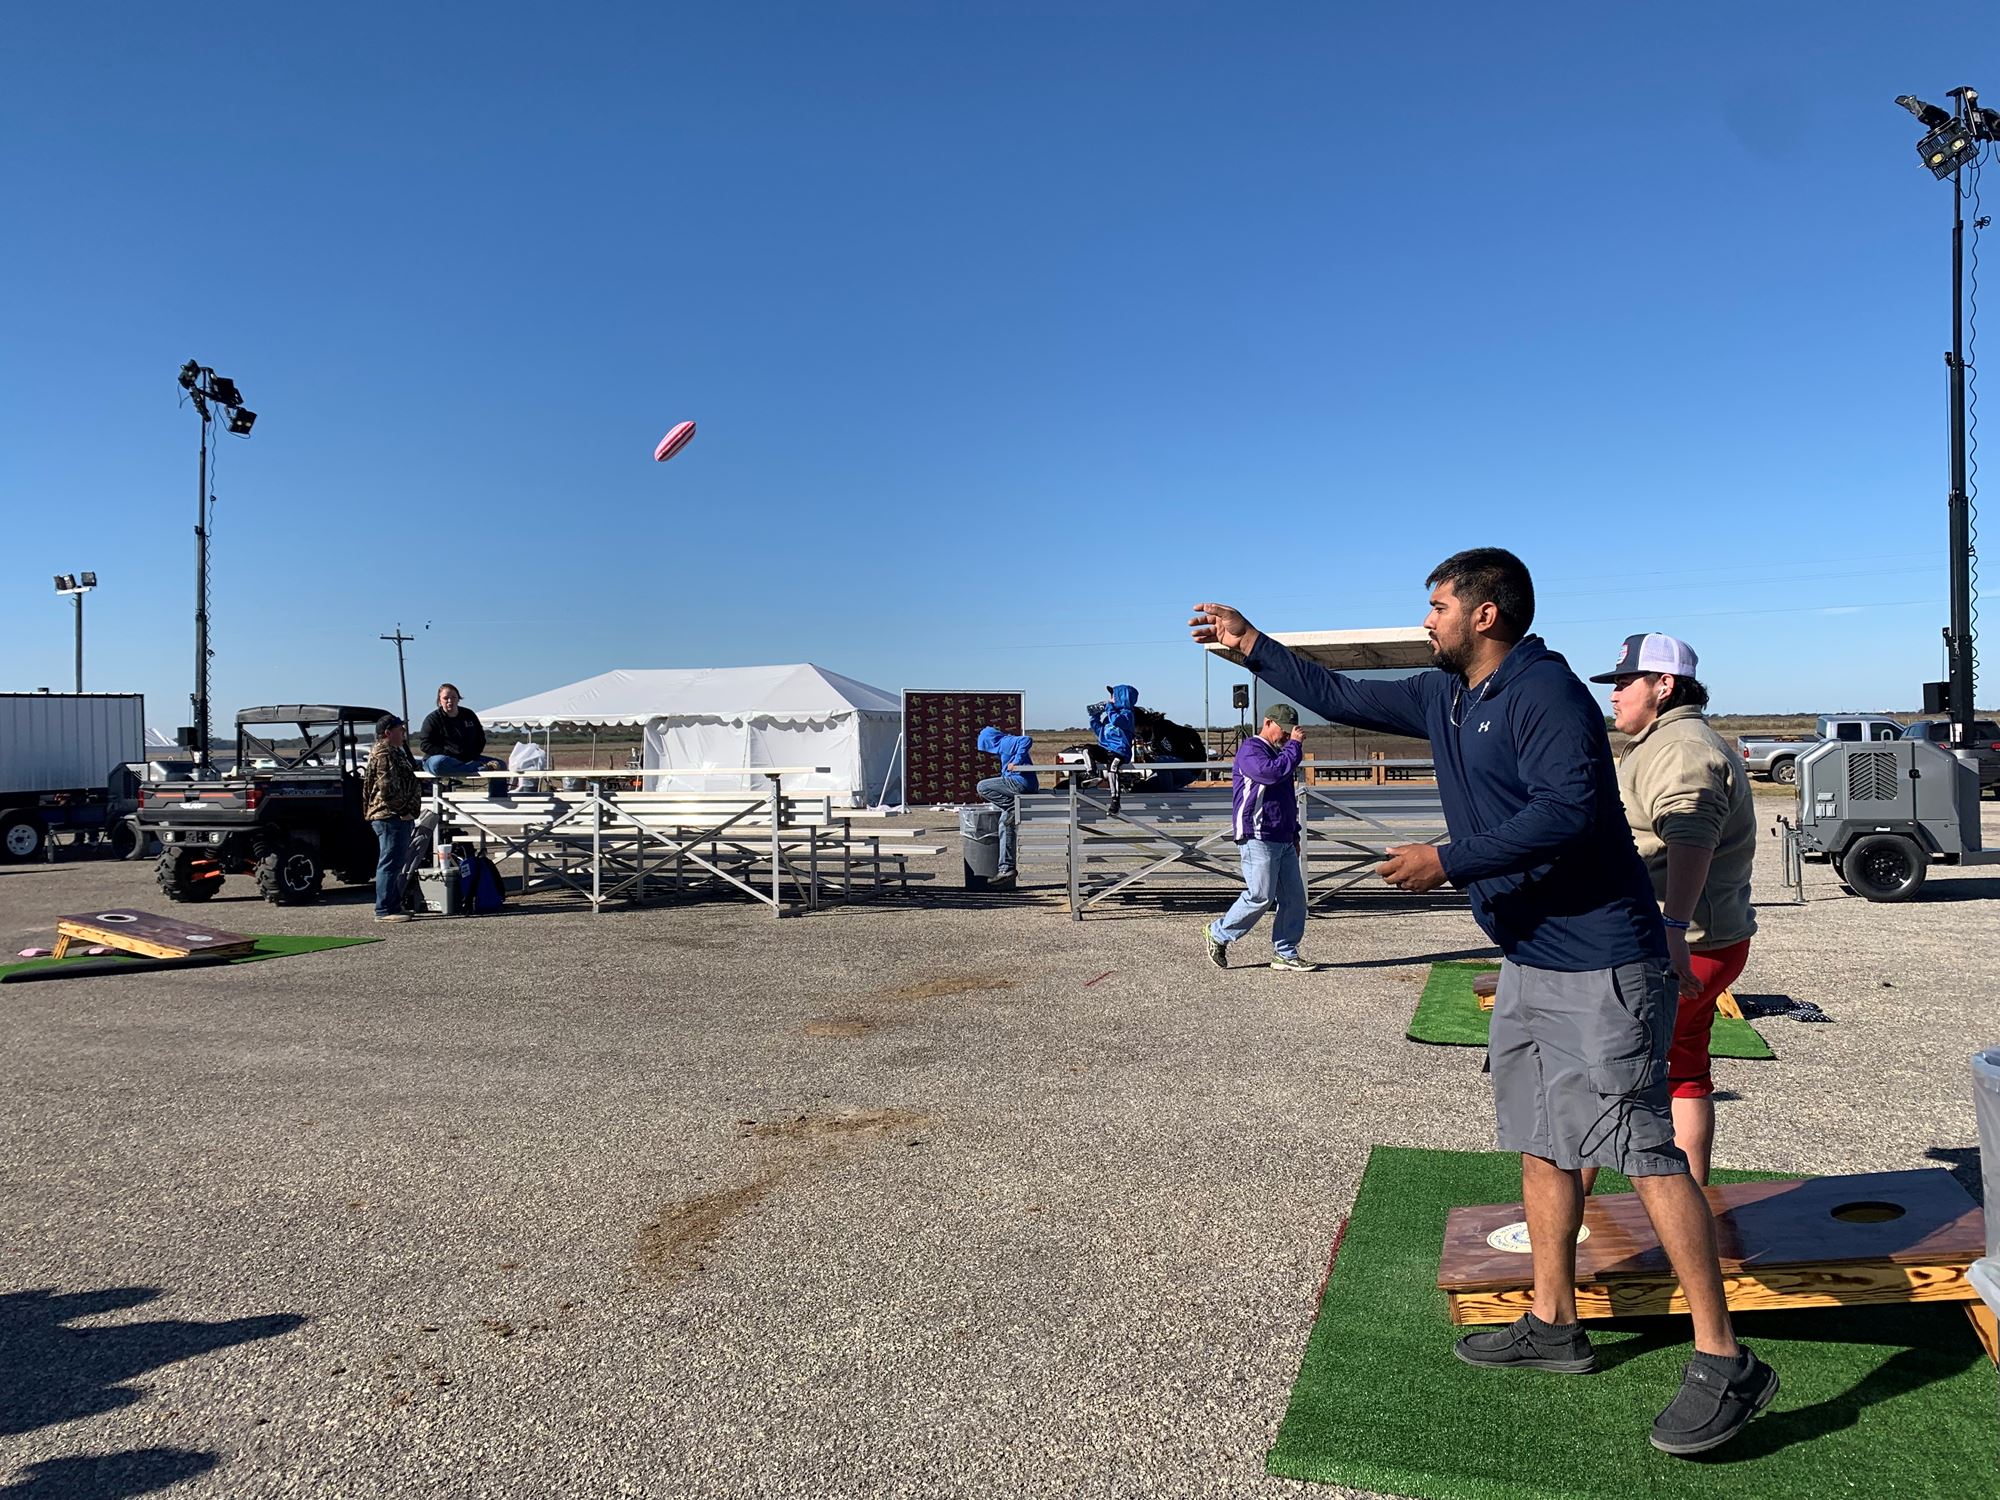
(1785, 771)
(290, 876)
(187, 874)
(144, 844)
(122, 835)
(1884, 867)
(22, 836)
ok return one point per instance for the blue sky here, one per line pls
(1011, 331)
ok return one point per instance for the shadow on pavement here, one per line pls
(108, 1476)
(56, 1374)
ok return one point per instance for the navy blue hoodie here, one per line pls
(1539, 839)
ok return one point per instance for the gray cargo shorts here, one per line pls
(1580, 1067)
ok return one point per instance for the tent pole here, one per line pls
(894, 756)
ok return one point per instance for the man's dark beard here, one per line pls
(1449, 658)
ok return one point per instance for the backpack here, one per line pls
(480, 889)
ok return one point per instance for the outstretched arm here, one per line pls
(1388, 707)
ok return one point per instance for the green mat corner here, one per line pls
(1448, 1015)
(269, 945)
(1888, 1401)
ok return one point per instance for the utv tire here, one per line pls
(187, 874)
(1884, 867)
(1785, 772)
(123, 838)
(290, 876)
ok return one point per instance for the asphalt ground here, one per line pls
(925, 1196)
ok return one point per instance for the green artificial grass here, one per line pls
(1448, 1015)
(1875, 1402)
(269, 945)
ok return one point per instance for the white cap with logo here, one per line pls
(1651, 653)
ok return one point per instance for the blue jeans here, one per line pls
(392, 838)
(1001, 792)
(451, 765)
(1271, 878)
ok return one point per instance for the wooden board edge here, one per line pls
(1855, 1285)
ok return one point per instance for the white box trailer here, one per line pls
(58, 755)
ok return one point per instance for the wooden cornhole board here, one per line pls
(1875, 1237)
(142, 933)
(1485, 986)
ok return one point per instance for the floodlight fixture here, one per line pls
(1928, 115)
(241, 420)
(1946, 149)
(89, 580)
(64, 583)
(222, 390)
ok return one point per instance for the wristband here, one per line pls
(1675, 923)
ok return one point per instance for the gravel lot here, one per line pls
(909, 1198)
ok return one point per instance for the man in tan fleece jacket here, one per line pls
(1689, 805)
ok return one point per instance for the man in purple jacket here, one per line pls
(1264, 815)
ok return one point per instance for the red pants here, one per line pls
(1687, 1059)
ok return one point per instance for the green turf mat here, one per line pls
(1449, 1016)
(269, 945)
(1889, 1401)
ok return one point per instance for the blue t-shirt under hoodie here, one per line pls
(1539, 840)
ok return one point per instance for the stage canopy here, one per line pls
(1353, 650)
(717, 718)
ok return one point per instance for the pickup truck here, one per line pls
(1779, 759)
(1985, 741)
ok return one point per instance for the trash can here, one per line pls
(979, 833)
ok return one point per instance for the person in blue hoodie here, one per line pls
(1001, 790)
(1585, 1009)
(1115, 723)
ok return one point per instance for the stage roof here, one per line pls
(1352, 650)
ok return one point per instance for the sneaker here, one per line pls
(1717, 1399)
(392, 916)
(1218, 951)
(1293, 964)
(1530, 1344)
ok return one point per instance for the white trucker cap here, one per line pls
(1650, 653)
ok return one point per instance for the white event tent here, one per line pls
(719, 718)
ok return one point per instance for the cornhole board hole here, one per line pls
(147, 935)
(1486, 986)
(1875, 1237)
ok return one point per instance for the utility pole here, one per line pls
(1957, 505)
(209, 392)
(401, 676)
(76, 585)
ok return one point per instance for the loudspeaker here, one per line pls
(1239, 695)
